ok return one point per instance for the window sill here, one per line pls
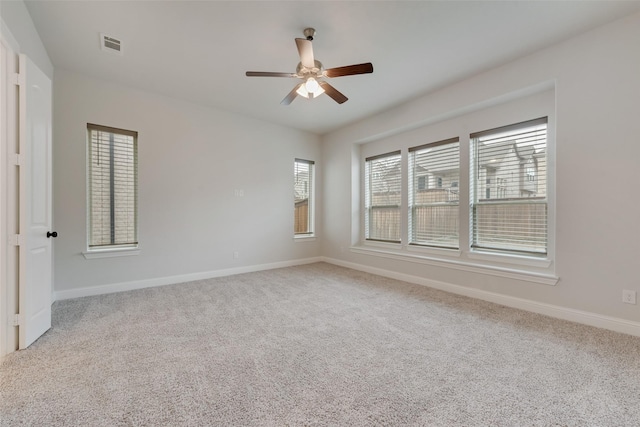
(511, 259)
(382, 244)
(462, 264)
(438, 252)
(111, 253)
(305, 238)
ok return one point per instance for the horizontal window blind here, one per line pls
(509, 210)
(113, 187)
(434, 194)
(303, 189)
(383, 185)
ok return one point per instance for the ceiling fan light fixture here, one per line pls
(302, 91)
(310, 91)
(311, 85)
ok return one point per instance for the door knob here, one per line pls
(52, 234)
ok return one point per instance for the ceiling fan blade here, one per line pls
(268, 74)
(305, 49)
(290, 97)
(333, 93)
(349, 70)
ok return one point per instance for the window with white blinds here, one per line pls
(303, 197)
(509, 188)
(434, 175)
(383, 186)
(113, 187)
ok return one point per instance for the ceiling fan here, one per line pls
(313, 73)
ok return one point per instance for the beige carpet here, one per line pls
(316, 345)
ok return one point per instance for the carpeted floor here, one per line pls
(316, 345)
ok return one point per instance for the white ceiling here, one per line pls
(199, 51)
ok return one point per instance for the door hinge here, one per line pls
(17, 79)
(16, 240)
(16, 159)
(16, 320)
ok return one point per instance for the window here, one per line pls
(422, 182)
(382, 197)
(434, 212)
(113, 187)
(480, 201)
(514, 217)
(303, 197)
(502, 188)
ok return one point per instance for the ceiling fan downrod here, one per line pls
(309, 33)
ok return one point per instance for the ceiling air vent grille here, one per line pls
(110, 44)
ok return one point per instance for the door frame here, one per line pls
(9, 191)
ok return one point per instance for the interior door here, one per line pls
(36, 249)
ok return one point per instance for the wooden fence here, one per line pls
(436, 222)
(384, 223)
(301, 217)
(520, 227)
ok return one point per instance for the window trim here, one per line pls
(534, 269)
(411, 193)
(541, 277)
(311, 233)
(474, 186)
(116, 250)
(111, 253)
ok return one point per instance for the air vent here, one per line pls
(110, 44)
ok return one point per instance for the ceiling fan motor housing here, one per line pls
(304, 72)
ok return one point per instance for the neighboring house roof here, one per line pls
(301, 190)
(494, 154)
(435, 160)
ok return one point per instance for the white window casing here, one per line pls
(434, 174)
(498, 188)
(383, 194)
(112, 208)
(303, 188)
(508, 211)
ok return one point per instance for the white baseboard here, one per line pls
(578, 316)
(161, 281)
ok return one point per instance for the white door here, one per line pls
(35, 270)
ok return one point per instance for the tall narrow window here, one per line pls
(113, 187)
(303, 197)
(434, 172)
(509, 192)
(382, 197)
